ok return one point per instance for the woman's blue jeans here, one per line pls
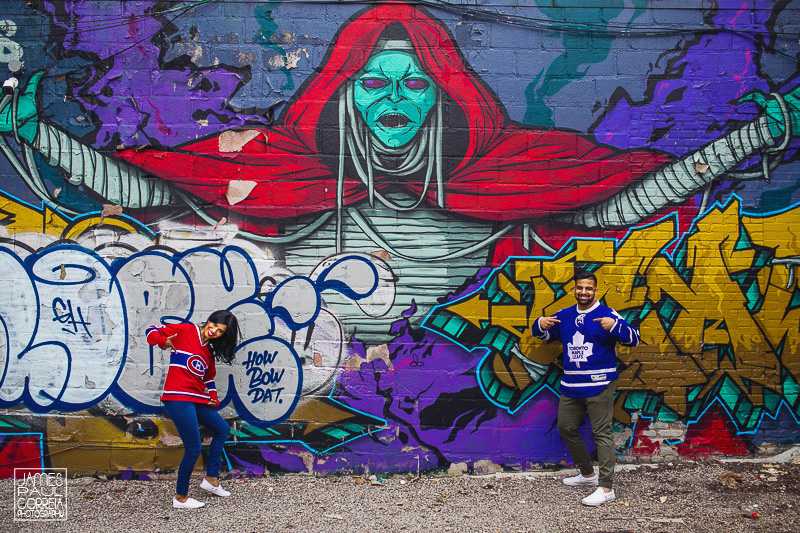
(185, 416)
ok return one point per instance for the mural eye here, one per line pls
(374, 83)
(416, 84)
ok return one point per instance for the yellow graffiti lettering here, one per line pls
(718, 311)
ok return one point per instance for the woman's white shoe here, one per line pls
(219, 491)
(190, 503)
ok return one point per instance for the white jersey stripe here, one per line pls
(592, 384)
(590, 372)
(181, 393)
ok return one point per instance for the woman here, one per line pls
(190, 395)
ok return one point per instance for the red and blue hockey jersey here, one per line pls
(590, 359)
(191, 364)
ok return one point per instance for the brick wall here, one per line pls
(387, 195)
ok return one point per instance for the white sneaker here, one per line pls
(579, 480)
(190, 503)
(599, 497)
(219, 491)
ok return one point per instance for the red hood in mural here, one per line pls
(502, 172)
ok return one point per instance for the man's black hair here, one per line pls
(585, 275)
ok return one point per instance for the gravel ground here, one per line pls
(685, 496)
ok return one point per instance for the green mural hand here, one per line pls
(775, 113)
(26, 116)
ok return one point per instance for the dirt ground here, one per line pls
(683, 496)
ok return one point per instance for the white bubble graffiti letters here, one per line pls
(72, 326)
(78, 343)
(272, 379)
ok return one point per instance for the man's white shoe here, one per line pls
(579, 480)
(219, 491)
(190, 503)
(599, 497)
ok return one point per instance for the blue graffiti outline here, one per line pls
(283, 313)
(21, 263)
(236, 397)
(92, 275)
(115, 267)
(271, 312)
(27, 397)
(338, 286)
(7, 340)
(28, 263)
(320, 285)
(175, 258)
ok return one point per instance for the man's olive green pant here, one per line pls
(571, 412)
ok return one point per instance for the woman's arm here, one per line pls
(161, 336)
(211, 387)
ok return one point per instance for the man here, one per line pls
(589, 332)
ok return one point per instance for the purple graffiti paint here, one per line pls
(133, 92)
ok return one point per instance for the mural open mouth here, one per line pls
(394, 120)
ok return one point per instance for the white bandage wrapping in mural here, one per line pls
(535, 370)
(672, 183)
(113, 179)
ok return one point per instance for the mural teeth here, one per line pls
(394, 120)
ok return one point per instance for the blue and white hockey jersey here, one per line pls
(590, 360)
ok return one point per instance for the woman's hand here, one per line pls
(213, 404)
(168, 342)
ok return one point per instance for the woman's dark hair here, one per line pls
(224, 346)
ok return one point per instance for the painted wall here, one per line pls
(387, 195)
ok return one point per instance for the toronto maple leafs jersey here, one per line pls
(590, 360)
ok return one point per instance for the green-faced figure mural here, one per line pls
(393, 94)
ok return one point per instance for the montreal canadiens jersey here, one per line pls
(191, 373)
(590, 359)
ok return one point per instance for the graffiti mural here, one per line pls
(701, 348)
(386, 202)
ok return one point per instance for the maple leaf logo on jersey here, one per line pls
(578, 350)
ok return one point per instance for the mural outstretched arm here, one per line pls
(110, 177)
(672, 183)
(536, 371)
(18, 115)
